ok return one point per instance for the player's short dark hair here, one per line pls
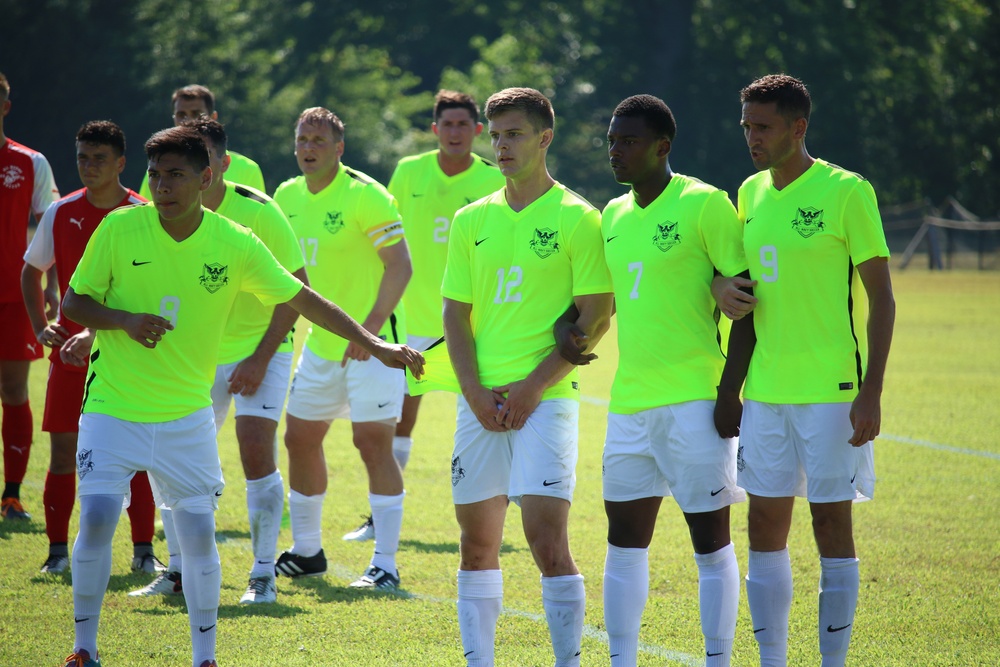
(212, 131)
(322, 116)
(535, 106)
(452, 99)
(195, 92)
(788, 93)
(184, 141)
(103, 132)
(654, 111)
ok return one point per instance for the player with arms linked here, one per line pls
(158, 282)
(815, 246)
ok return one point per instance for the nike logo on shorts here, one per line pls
(548, 483)
(715, 493)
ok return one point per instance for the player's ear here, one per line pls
(206, 178)
(434, 129)
(121, 163)
(799, 126)
(479, 129)
(547, 135)
(226, 161)
(663, 148)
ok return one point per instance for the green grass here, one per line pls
(929, 545)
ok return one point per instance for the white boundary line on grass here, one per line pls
(603, 402)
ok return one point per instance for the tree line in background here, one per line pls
(905, 93)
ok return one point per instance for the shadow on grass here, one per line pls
(226, 535)
(420, 546)
(324, 592)
(11, 527)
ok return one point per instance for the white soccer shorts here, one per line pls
(363, 391)
(267, 402)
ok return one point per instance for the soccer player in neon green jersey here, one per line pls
(147, 404)
(194, 102)
(429, 188)
(663, 241)
(352, 240)
(517, 259)
(255, 360)
(814, 242)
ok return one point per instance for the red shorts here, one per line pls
(17, 338)
(63, 398)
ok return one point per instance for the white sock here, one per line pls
(306, 513)
(838, 598)
(175, 563)
(265, 501)
(626, 587)
(480, 600)
(565, 600)
(387, 515)
(769, 595)
(719, 596)
(202, 577)
(91, 568)
(401, 446)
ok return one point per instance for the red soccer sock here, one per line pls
(142, 511)
(58, 497)
(16, 431)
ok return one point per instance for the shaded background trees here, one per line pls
(907, 94)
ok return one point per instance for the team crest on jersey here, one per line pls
(214, 277)
(457, 471)
(666, 236)
(84, 462)
(544, 242)
(334, 222)
(11, 176)
(808, 221)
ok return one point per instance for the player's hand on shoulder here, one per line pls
(728, 413)
(866, 415)
(146, 329)
(731, 296)
(521, 399)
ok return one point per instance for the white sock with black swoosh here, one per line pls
(265, 501)
(202, 578)
(564, 599)
(387, 516)
(626, 588)
(769, 596)
(719, 598)
(838, 599)
(91, 567)
(480, 600)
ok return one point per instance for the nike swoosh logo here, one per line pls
(615, 655)
(481, 240)
(715, 493)
(417, 195)
(264, 562)
(218, 494)
(81, 620)
(712, 655)
(830, 628)
(749, 219)
(548, 483)
(852, 477)
(382, 405)
(612, 238)
(759, 630)
(202, 628)
(468, 653)
(293, 215)
(269, 407)
(135, 263)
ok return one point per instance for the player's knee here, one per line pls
(98, 519)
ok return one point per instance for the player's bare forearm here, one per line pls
(34, 299)
(144, 328)
(461, 345)
(881, 317)
(328, 315)
(734, 295)
(593, 321)
(728, 407)
(398, 270)
(51, 292)
(282, 320)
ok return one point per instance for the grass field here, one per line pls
(929, 544)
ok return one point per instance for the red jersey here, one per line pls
(62, 236)
(26, 187)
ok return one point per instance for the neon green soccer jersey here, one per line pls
(520, 271)
(250, 318)
(662, 260)
(242, 170)
(340, 231)
(132, 264)
(803, 243)
(427, 200)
